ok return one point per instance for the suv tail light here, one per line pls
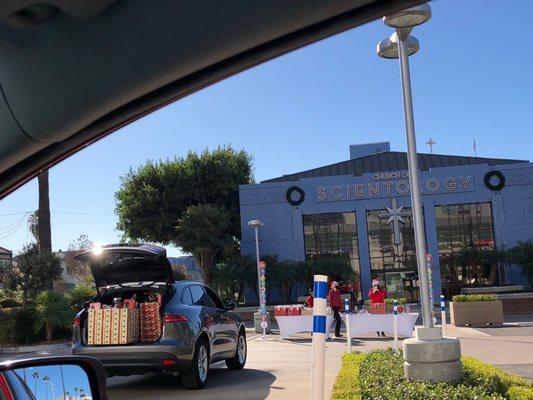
(76, 321)
(175, 318)
(4, 388)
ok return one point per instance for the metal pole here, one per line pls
(259, 276)
(395, 324)
(347, 317)
(412, 162)
(320, 288)
(443, 314)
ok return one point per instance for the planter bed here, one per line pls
(379, 375)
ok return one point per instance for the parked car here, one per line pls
(197, 329)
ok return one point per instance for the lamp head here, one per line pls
(388, 48)
(255, 223)
(410, 17)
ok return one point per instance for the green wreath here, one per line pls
(501, 180)
(289, 198)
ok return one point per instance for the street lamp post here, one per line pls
(256, 224)
(428, 343)
(401, 45)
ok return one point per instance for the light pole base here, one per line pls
(257, 323)
(429, 357)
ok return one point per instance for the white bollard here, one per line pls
(319, 337)
(443, 314)
(347, 319)
(395, 319)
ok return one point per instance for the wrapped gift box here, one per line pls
(112, 326)
(280, 311)
(150, 322)
(378, 308)
(307, 311)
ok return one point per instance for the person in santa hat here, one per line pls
(335, 304)
(377, 296)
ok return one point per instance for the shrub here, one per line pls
(401, 300)
(79, 295)
(53, 311)
(461, 298)
(492, 378)
(18, 326)
(379, 375)
(9, 302)
(347, 385)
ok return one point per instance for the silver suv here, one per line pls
(197, 329)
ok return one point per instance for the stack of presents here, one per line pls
(295, 309)
(127, 321)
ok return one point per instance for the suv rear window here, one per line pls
(186, 297)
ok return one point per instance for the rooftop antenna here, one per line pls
(430, 143)
(475, 148)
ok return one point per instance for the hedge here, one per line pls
(379, 375)
(461, 298)
(18, 326)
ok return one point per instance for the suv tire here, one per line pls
(196, 377)
(239, 360)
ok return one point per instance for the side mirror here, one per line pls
(230, 305)
(62, 377)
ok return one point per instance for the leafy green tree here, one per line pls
(79, 295)
(31, 271)
(522, 254)
(152, 199)
(53, 311)
(203, 232)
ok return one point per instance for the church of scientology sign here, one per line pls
(387, 184)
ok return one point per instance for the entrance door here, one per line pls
(392, 251)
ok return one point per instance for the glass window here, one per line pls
(186, 297)
(333, 236)
(392, 252)
(214, 298)
(460, 228)
(200, 297)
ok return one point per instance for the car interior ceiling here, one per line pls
(91, 67)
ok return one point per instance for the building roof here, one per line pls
(5, 254)
(389, 161)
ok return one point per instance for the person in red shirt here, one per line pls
(335, 304)
(377, 296)
(310, 299)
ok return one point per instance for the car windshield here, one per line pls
(366, 186)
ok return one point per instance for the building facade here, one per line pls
(358, 211)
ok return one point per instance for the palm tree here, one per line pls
(45, 380)
(45, 230)
(35, 376)
(203, 231)
(33, 225)
(54, 311)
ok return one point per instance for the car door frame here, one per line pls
(211, 323)
(230, 325)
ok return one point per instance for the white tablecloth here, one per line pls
(365, 323)
(289, 325)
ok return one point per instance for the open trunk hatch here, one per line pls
(125, 265)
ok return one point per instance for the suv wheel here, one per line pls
(238, 361)
(196, 377)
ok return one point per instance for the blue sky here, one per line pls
(471, 78)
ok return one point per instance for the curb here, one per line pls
(31, 349)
